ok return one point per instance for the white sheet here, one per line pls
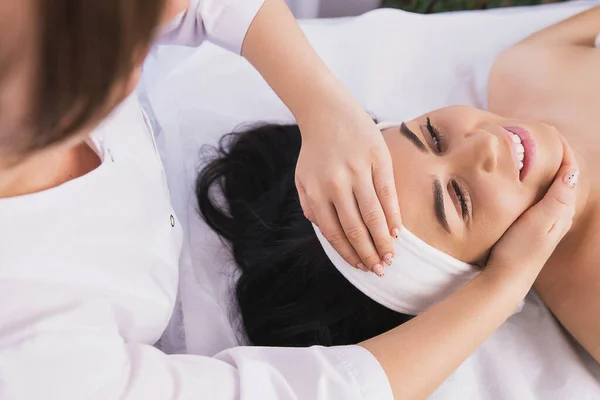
(398, 65)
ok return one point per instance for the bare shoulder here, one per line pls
(554, 73)
(570, 283)
(545, 81)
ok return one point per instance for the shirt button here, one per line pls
(172, 221)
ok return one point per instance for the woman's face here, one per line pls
(459, 178)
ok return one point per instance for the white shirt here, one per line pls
(89, 272)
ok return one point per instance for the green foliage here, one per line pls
(434, 6)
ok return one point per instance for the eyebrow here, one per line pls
(410, 135)
(438, 200)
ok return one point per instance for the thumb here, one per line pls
(558, 205)
(556, 209)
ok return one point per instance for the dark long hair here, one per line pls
(288, 292)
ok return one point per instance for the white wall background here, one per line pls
(331, 8)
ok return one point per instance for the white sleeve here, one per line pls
(223, 22)
(69, 348)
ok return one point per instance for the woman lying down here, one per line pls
(463, 177)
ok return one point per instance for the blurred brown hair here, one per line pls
(85, 47)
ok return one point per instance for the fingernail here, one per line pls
(388, 258)
(362, 267)
(571, 178)
(396, 233)
(378, 270)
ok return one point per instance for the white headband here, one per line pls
(419, 277)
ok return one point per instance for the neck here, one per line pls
(32, 174)
(46, 169)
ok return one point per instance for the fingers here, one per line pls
(374, 222)
(331, 228)
(356, 231)
(355, 205)
(385, 187)
(558, 204)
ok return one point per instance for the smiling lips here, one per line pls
(523, 146)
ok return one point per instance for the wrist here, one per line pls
(324, 100)
(516, 280)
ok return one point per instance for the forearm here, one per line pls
(276, 46)
(419, 355)
(579, 30)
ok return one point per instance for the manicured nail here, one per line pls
(378, 270)
(388, 258)
(396, 233)
(571, 178)
(362, 267)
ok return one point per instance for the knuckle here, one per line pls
(335, 182)
(335, 238)
(560, 200)
(385, 191)
(356, 167)
(377, 151)
(371, 258)
(373, 217)
(356, 233)
(384, 244)
(311, 197)
(308, 215)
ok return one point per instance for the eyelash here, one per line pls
(436, 136)
(463, 197)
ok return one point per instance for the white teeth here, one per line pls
(519, 147)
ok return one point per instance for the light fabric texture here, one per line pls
(419, 277)
(89, 276)
(223, 22)
(398, 65)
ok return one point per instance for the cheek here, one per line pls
(415, 197)
(499, 207)
(549, 158)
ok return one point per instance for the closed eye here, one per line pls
(435, 135)
(439, 207)
(463, 197)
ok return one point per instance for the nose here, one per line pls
(483, 151)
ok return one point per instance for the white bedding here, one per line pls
(398, 65)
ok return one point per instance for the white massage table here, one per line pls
(398, 65)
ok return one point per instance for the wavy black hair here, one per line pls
(288, 292)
